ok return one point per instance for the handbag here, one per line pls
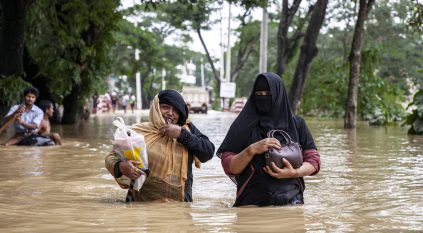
(290, 151)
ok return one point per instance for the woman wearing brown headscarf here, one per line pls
(173, 144)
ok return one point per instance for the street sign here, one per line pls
(227, 89)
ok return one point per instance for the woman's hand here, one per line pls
(129, 169)
(172, 131)
(286, 172)
(264, 145)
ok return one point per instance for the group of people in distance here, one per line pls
(31, 122)
(242, 152)
(174, 144)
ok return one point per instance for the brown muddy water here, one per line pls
(371, 180)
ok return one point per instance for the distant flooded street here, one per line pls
(371, 180)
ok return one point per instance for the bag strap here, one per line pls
(284, 134)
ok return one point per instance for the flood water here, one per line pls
(371, 180)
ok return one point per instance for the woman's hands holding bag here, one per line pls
(264, 145)
(286, 172)
(129, 169)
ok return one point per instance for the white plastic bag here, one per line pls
(130, 145)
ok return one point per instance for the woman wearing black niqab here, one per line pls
(242, 150)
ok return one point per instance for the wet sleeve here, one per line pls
(312, 156)
(310, 153)
(226, 158)
(112, 164)
(197, 143)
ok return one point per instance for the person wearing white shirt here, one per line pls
(27, 117)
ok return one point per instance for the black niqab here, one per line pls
(175, 99)
(250, 126)
(263, 102)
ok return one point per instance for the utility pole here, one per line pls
(138, 78)
(138, 82)
(222, 49)
(228, 49)
(228, 60)
(163, 79)
(263, 43)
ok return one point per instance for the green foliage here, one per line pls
(70, 40)
(415, 119)
(187, 16)
(416, 20)
(11, 89)
(325, 92)
(154, 56)
(250, 70)
(399, 48)
(379, 101)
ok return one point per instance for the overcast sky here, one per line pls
(212, 38)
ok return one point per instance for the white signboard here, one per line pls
(227, 89)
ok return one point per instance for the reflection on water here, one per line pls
(371, 180)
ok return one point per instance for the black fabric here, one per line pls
(252, 126)
(306, 139)
(199, 145)
(175, 99)
(263, 103)
(117, 171)
(36, 140)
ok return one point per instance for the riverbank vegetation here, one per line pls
(338, 58)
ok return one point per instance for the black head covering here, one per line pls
(250, 126)
(175, 99)
(263, 102)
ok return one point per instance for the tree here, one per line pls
(286, 44)
(249, 34)
(12, 36)
(192, 16)
(355, 59)
(308, 52)
(416, 20)
(12, 28)
(70, 41)
(415, 119)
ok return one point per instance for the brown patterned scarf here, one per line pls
(167, 160)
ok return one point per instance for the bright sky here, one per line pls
(212, 38)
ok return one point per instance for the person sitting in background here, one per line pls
(45, 127)
(173, 145)
(27, 117)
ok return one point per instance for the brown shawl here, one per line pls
(167, 160)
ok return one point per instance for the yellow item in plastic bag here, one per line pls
(130, 145)
(134, 155)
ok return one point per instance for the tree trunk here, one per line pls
(246, 47)
(209, 59)
(71, 106)
(12, 36)
(32, 75)
(308, 52)
(283, 41)
(355, 58)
